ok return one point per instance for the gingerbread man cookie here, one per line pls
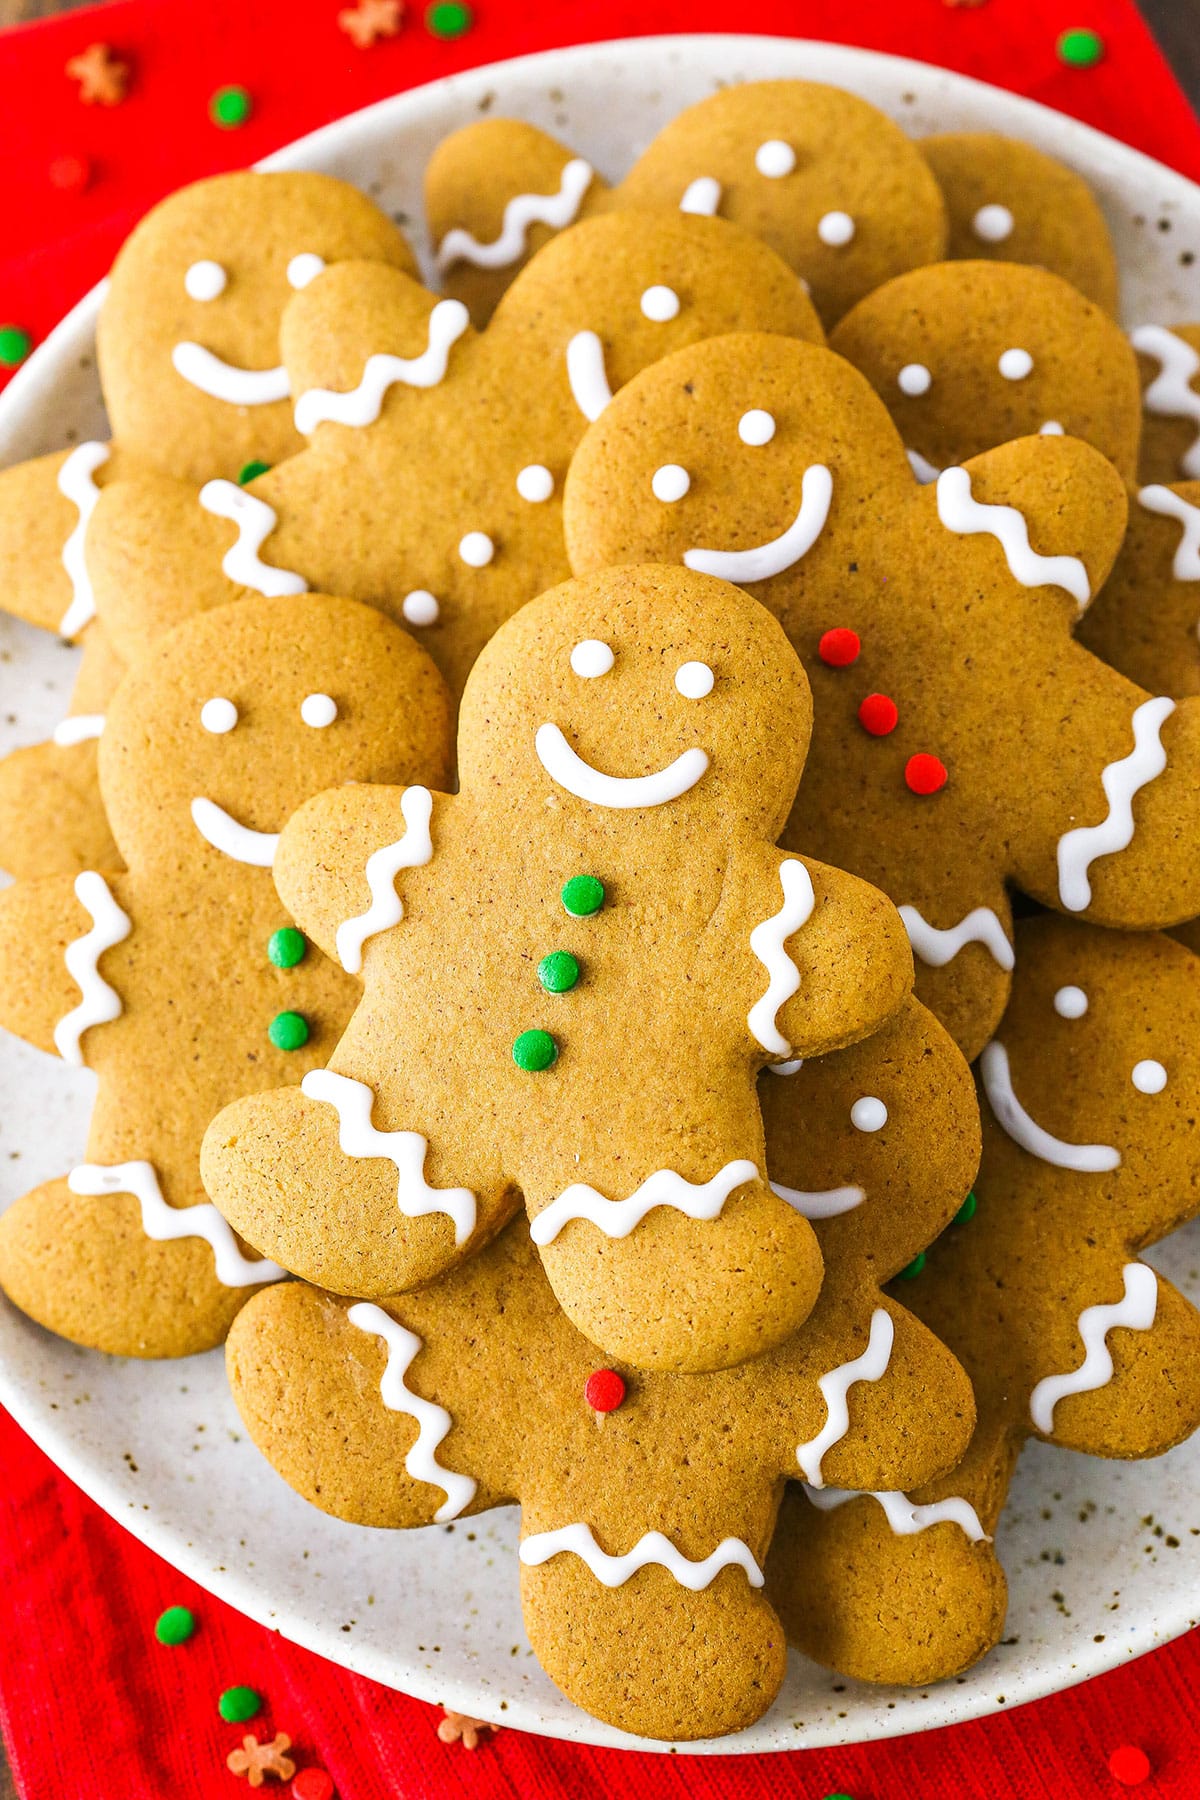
(824, 178)
(1091, 1090)
(182, 982)
(647, 1500)
(963, 741)
(572, 971)
(466, 436)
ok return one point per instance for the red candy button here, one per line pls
(70, 174)
(924, 774)
(878, 715)
(1129, 1765)
(839, 647)
(313, 1784)
(604, 1390)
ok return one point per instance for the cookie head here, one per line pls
(649, 693)
(188, 338)
(235, 718)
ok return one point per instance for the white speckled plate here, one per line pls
(1103, 1559)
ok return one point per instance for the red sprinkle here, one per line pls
(839, 647)
(604, 1390)
(70, 174)
(924, 774)
(878, 715)
(313, 1784)
(1129, 1765)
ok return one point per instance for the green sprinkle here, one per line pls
(558, 972)
(286, 947)
(239, 1703)
(1080, 48)
(230, 107)
(251, 471)
(15, 345)
(448, 18)
(288, 1031)
(967, 1209)
(583, 895)
(534, 1050)
(914, 1268)
(175, 1626)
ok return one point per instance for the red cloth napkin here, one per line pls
(93, 1708)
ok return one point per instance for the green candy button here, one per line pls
(239, 1703)
(534, 1050)
(15, 345)
(175, 1626)
(448, 18)
(914, 1268)
(251, 471)
(288, 1031)
(583, 895)
(558, 972)
(1080, 48)
(230, 107)
(286, 948)
(966, 1210)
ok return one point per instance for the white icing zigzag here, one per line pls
(1135, 1310)
(1170, 505)
(835, 1389)
(76, 482)
(363, 404)
(411, 851)
(165, 1223)
(904, 1516)
(587, 375)
(651, 1547)
(522, 211)
(617, 1218)
(100, 1003)
(1170, 394)
(433, 1421)
(255, 522)
(763, 561)
(1084, 1159)
(767, 942)
(960, 512)
(936, 947)
(1078, 849)
(353, 1101)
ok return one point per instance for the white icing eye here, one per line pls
(694, 680)
(756, 427)
(774, 158)
(591, 658)
(205, 280)
(1070, 1003)
(914, 379)
(1015, 365)
(660, 304)
(992, 224)
(420, 607)
(868, 1114)
(476, 549)
(304, 268)
(835, 229)
(318, 710)
(218, 716)
(535, 483)
(1051, 428)
(670, 483)
(1149, 1077)
(787, 1068)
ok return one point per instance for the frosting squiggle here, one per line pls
(835, 1388)
(255, 522)
(937, 946)
(522, 211)
(651, 1547)
(100, 1003)
(433, 1421)
(165, 1223)
(76, 483)
(411, 851)
(1121, 780)
(617, 1218)
(767, 941)
(904, 1516)
(1171, 395)
(1170, 505)
(960, 512)
(363, 404)
(1135, 1310)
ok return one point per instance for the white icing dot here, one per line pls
(476, 549)
(660, 304)
(318, 710)
(535, 483)
(1015, 365)
(835, 229)
(420, 607)
(774, 158)
(205, 280)
(1070, 1003)
(756, 427)
(914, 379)
(670, 482)
(304, 268)
(868, 1114)
(591, 658)
(694, 680)
(218, 716)
(1051, 428)
(992, 224)
(1149, 1077)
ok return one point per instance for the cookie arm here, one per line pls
(45, 506)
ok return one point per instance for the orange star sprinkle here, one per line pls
(456, 1726)
(103, 78)
(255, 1760)
(370, 20)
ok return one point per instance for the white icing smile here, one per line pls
(566, 767)
(222, 380)
(1084, 1159)
(223, 832)
(779, 554)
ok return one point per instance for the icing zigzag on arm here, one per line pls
(100, 1003)
(767, 941)
(433, 1421)
(411, 851)
(1135, 1311)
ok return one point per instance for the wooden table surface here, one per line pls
(1176, 24)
